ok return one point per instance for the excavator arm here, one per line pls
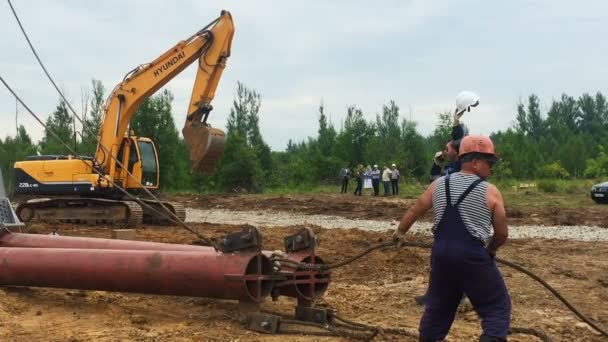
(210, 47)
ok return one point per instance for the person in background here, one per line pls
(344, 175)
(367, 178)
(395, 176)
(375, 175)
(437, 166)
(359, 177)
(464, 102)
(386, 180)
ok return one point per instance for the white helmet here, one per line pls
(465, 100)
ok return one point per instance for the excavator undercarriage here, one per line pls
(125, 213)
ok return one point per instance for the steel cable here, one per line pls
(529, 331)
(555, 293)
(325, 267)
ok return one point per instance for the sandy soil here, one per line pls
(391, 208)
(378, 289)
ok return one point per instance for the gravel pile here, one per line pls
(280, 218)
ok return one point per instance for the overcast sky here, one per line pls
(420, 53)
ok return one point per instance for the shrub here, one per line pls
(553, 170)
(573, 188)
(547, 185)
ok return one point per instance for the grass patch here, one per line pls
(518, 193)
(549, 192)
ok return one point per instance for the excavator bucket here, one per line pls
(206, 146)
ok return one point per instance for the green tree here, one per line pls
(92, 122)
(388, 131)
(563, 113)
(352, 140)
(154, 120)
(59, 123)
(14, 149)
(597, 167)
(592, 113)
(530, 122)
(327, 133)
(247, 158)
(442, 132)
(319, 160)
(413, 155)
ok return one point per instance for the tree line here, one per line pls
(568, 141)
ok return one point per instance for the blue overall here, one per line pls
(461, 264)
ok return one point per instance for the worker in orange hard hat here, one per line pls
(469, 226)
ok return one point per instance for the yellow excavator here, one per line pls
(90, 189)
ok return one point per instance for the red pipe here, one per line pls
(51, 241)
(204, 273)
(304, 284)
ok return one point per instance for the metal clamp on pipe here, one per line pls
(305, 285)
(249, 238)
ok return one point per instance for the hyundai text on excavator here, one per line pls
(86, 189)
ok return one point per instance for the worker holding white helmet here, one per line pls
(465, 100)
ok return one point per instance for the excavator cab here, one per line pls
(139, 155)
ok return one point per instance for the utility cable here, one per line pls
(555, 293)
(39, 61)
(174, 217)
(325, 267)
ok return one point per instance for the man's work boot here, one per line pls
(426, 339)
(422, 299)
(486, 338)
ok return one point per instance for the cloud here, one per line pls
(417, 53)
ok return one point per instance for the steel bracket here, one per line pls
(264, 323)
(315, 315)
(247, 239)
(304, 239)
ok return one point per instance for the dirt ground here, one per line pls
(377, 289)
(391, 208)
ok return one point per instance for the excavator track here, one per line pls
(81, 210)
(159, 215)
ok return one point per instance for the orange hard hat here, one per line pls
(476, 144)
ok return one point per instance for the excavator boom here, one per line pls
(210, 47)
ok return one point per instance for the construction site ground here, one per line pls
(378, 289)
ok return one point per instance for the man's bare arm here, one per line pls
(499, 218)
(424, 203)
